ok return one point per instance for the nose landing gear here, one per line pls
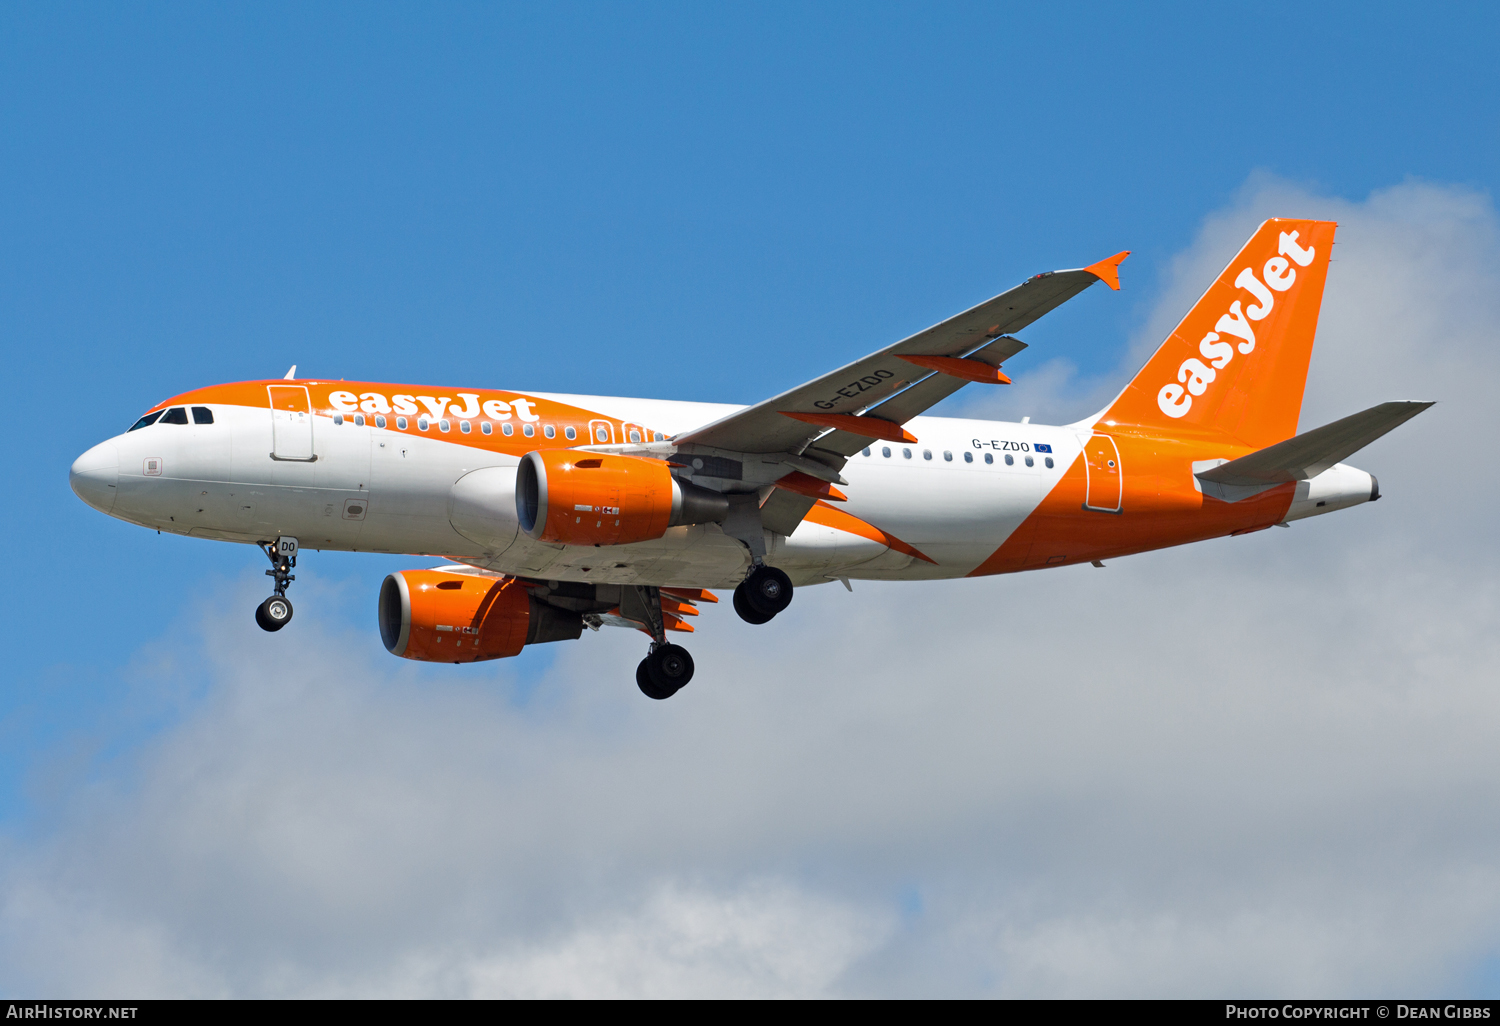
(276, 612)
(763, 593)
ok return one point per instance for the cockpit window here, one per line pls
(176, 415)
(202, 415)
(145, 421)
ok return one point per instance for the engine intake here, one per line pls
(442, 617)
(583, 498)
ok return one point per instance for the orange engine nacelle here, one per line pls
(584, 498)
(442, 617)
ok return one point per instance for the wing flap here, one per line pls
(867, 382)
(919, 398)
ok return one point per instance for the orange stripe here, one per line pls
(1159, 507)
(827, 516)
(545, 412)
(806, 484)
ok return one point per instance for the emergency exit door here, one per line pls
(291, 423)
(1104, 486)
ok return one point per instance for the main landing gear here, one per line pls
(763, 593)
(664, 671)
(667, 668)
(276, 612)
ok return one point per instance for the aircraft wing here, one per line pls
(889, 388)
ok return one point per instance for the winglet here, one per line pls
(1108, 269)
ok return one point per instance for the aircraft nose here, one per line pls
(95, 474)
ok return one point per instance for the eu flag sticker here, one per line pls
(1041, 448)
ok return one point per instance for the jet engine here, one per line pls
(438, 616)
(584, 498)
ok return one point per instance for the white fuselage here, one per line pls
(955, 496)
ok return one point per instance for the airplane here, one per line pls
(557, 513)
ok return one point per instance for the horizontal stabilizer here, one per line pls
(1309, 454)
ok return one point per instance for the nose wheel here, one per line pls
(763, 593)
(276, 612)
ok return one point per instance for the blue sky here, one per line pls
(708, 202)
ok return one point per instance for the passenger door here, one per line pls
(291, 423)
(1102, 464)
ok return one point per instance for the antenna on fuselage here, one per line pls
(291, 374)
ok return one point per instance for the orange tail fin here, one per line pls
(1237, 363)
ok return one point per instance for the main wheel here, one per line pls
(742, 606)
(643, 681)
(767, 590)
(274, 613)
(669, 668)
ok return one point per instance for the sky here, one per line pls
(1254, 766)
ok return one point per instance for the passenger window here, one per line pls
(885, 450)
(1049, 462)
(380, 422)
(202, 415)
(602, 434)
(570, 433)
(421, 423)
(486, 427)
(1030, 462)
(359, 420)
(968, 457)
(635, 436)
(507, 429)
(1010, 460)
(660, 437)
(145, 421)
(401, 423)
(947, 456)
(176, 415)
(550, 431)
(867, 452)
(989, 457)
(906, 453)
(443, 425)
(927, 454)
(465, 426)
(338, 420)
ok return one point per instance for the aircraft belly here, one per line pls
(699, 556)
(956, 516)
(821, 549)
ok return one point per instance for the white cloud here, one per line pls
(1257, 765)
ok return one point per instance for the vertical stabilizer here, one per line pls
(1237, 363)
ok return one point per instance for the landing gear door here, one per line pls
(1105, 481)
(291, 423)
